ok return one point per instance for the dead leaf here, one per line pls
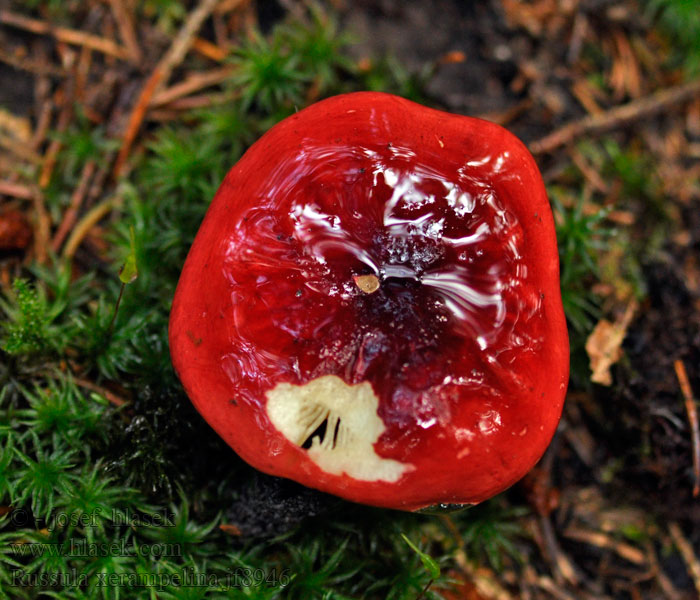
(604, 345)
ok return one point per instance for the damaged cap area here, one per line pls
(337, 423)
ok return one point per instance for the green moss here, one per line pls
(31, 327)
(149, 475)
(680, 21)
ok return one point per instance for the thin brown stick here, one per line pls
(71, 214)
(82, 72)
(185, 37)
(16, 190)
(603, 540)
(164, 115)
(221, 30)
(563, 568)
(125, 23)
(485, 581)
(82, 228)
(692, 411)
(173, 110)
(209, 50)
(98, 182)
(64, 119)
(160, 75)
(45, 112)
(686, 550)
(111, 397)
(62, 34)
(203, 100)
(135, 119)
(68, 56)
(42, 228)
(44, 68)
(553, 589)
(503, 117)
(617, 117)
(194, 83)
(591, 175)
(667, 587)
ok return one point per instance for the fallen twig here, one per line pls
(42, 227)
(591, 175)
(686, 550)
(548, 585)
(62, 34)
(71, 214)
(64, 119)
(33, 66)
(160, 75)
(209, 50)
(504, 117)
(193, 102)
(563, 569)
(661, 578)
(111, 397)
(82, 73)
(16, 190)
(135, 119)
(43, 122)
(616, 117)
(193, 83)
(484, 580)
(603, 540)
(692, 411)
(89, 220)
(126, 29)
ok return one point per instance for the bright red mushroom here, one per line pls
(371, 306)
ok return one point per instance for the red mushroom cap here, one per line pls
(371, 306)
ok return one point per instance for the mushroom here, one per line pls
(371, 306)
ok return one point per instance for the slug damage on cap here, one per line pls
(337, 423)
